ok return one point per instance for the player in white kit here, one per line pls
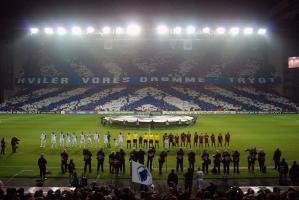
(53, 140)
(68, 140)
(43, 138)
(121, 139)
(61, 140)
(105, 140)
(82, 140)
(74, 140)
(89, 139)
(97, 139)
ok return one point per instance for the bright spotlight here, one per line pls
(162, 30)
(262, 31)
(177, 30)
(133, 30)
(234, 31)
(48, 30)
(106, 30)
(119, 30)
(248, 31)
(220, 30)
(61, 31)
(190, 30)
(76, 30)
(90, 30)
(34, 30)
(206, 30)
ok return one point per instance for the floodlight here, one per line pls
(76, 30)
(190, 30)
(90, 30)
(133, 30)
(48, 30)
(206, 30)
(34, 30)
(234, 31)
(106, 30)
(162, 29)
(119, 30)
(262, 31)
(248, 31)
(61, 31)
(177, 30)
(220, 30)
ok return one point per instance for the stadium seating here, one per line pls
(128, 98)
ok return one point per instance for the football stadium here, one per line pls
(198, 103)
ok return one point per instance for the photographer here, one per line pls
(217, 162)
(87, 160)
(251, 159)
(206, 161)
(162, 158)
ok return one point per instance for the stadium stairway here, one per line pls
(149, 100)
(203, 105)
(231, 100)
(116, 95)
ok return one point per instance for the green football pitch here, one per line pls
(265, 132)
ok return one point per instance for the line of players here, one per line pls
(142, 140)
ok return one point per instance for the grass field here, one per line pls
(265, 132)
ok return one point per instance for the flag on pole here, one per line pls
(140, 174)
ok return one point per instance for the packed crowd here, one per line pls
(102, 192)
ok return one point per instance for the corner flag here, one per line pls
(140, 174)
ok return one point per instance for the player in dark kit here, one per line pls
(191, 159)
(251, 159)
(227, 139)
(141, 154)
(100, 158)
(171, 140)
(3, 145)
(213, 140)
(87, 160)
(205, 161)
(206, 140)
(42, 164)
(64, 157)
(162, 159)
(150, 156)
(220, 140)
(177, 140)
(140, 139)
(195, 139)
(236, 160)
(226, 161)
(217, 162)
(183, 139)
(188, 137)
(276, 158)
(179, 160)
(261, 157)
(122, 155)
(201, 140)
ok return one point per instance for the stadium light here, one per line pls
(90, 30)
(34, 30)
(177, 30)
(248, 31)
(106, 30)
(234, 31)
(206, 30)
(220, 30)
(48, 30)
(190, 30)
(162, 30)
(61, 31)
(76, 30)
(262, 31)
(133, 30)
(119, 31)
